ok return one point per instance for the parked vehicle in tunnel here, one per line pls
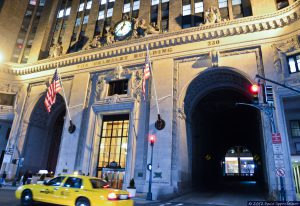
(75, 190)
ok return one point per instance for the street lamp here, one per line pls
(152, 141)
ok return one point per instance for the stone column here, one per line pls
(94, 11)
(69, 143)
(209, 3)
(43, 36)
(70, 26)
(175, 15)
(117, 13)
(144, 12)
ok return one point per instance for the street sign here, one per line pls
(276, 138)
(280, 172)
(7, 158)
(277, 149)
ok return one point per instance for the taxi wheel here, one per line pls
(82, 202)
(26, 199)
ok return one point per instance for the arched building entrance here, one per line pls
(216, 126)
(43, 136)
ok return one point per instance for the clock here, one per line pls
(123, 30)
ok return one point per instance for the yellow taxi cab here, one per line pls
(75, 190)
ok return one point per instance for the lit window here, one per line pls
(78, 20)
(81, 6)
(109, 12)
(60, 13)
(32, 2)
(68, 11)
(103, 2)
(236, 2)
(164, 1)
(89, 5)
(136, 5)
(222, 3)
(126, 8)
(154, 2)
(186, 10)
(42, 2)
(294, 63)
(85, 19)
(111, 0)
(198, 7)
(297, 147)
(20, 41)
(101, 15)
(295, 128)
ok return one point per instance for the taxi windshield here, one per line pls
(99, 184)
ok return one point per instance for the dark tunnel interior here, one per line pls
(218, 125)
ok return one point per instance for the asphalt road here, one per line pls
(7, 198)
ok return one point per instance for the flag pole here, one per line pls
(160, 123)
(72, 127)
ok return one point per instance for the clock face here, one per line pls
(123, 30)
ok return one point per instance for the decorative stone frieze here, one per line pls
(278, 19)
(6, 109)
(9, 88)
(283, 48)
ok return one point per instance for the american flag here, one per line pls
(147, 73)
(54, 88)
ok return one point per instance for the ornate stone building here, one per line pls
(205, 55)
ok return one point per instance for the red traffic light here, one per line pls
(254, 88)
(152, 138)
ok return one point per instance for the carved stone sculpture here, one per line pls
(109, 37)
(99, 87)
(57, 50)
(153, 29)
(212, 15)
(94, 43)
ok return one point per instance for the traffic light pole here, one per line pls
(268, 110)
(149, 194)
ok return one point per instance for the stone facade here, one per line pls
(187, 64)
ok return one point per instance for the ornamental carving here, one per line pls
(57, 50)
(118, 73)
(9, 88)
(137, 85)
(212, 15)
(113, 99)
(282, 48)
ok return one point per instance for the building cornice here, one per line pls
(278, 19)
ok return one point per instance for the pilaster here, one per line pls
(69, 143)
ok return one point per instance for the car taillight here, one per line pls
(112, 196)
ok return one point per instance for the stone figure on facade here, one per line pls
(109, 37)
(137, 85)
(212, 15)
(57, 50)
(276, 58)
(99, 87)
(141, 28)
(153, 28)
(94, 43)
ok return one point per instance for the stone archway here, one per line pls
(214, 123)
(43, 136)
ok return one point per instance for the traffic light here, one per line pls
(269, 98)
(254, 89)
(152, 139)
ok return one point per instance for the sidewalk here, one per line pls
(9, 186)
(140, 199)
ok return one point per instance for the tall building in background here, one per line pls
(205, 55)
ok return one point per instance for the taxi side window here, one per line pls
(73, 182)
(56, 181)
